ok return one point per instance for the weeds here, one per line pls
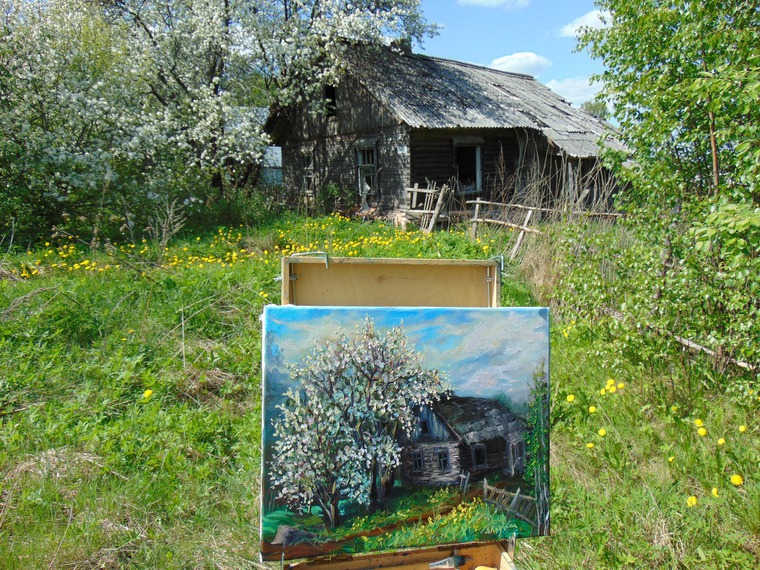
(130, 421)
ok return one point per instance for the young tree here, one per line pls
(684, 80)
(337, 436)
(596, 109)
(537, 449)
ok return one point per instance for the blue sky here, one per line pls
(484, 352)
(527, 36)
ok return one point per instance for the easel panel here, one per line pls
(390, 282)
(493, 555)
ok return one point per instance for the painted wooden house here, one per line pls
(397, 119)
(458, 435)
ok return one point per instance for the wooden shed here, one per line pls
(462, 435)
(397, 119)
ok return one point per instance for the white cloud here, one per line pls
(592, 19)
(577, 90)
(522, 62)
(510, 4)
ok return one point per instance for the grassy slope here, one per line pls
(129, 421)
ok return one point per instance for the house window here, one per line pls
(418, 461)
(307, 168)
(442, 457)
(330, 101)
(366, 171)
(479, 456)
(468, 166)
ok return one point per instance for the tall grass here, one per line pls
(130, 394)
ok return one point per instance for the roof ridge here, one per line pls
(472, 65)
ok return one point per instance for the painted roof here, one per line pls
(434, 93)
(477, 419)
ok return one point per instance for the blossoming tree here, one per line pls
(102, 103)
(337, 435)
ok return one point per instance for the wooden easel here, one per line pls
(317, 279)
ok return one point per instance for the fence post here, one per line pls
(474, 226)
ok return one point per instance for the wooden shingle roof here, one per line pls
(476, 420)
(434, 93)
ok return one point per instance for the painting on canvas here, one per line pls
(390, 428)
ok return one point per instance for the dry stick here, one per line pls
(510, 225)
(520, 237)
(184, 361)
(545, 210)
(60, 544)
(690, 344)
(438, 207)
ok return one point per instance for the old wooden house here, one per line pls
(397, 119)
(458, 435)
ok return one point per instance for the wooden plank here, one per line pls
(508, 224)
(390, 282)
(491, 555)
(438, 208)
(520, 237)
(482, 202)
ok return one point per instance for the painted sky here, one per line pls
(537, 37)
(484, 352)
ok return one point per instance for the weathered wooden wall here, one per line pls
(433, 156)
(431, 475)
(359, 116)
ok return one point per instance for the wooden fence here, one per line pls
(516, 504)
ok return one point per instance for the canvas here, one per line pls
(391, 428)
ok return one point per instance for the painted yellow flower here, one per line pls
(147, 394)
(570, 398)
(702, 432)
(691, 501)
(736, 479)
(742, 428)
(602, 432)
(590, 445)
(592, 409)
(698, 422)
(715, 491)
(721, 441)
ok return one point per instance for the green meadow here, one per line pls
(130, 410)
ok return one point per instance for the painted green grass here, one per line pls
(130, 424)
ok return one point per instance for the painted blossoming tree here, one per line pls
(337, 434)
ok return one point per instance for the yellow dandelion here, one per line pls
(736, 479)
(691, 501)
(721, 441)
(603, 391)
(742, 429)
(621, 386)
(592, 409)
(602, 432)
(674, 409)
(698, 422)
(612, 389)
(147, 394)
(570, 398)
(702, 432)
(590, 445)
(671, 459)
(714, 491)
